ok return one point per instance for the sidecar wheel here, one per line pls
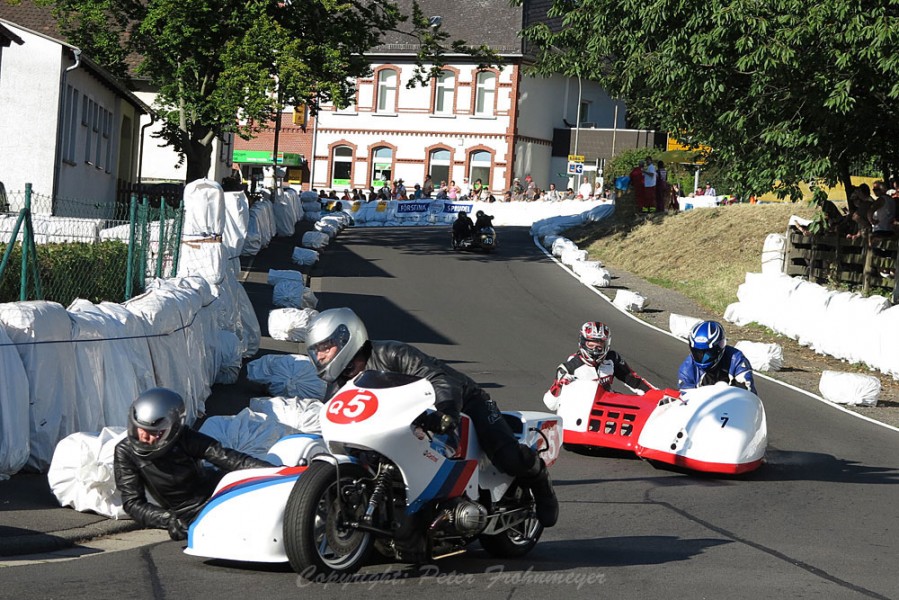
(316, 537)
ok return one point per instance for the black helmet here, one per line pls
(158, 411)
(462, 213)
(480, 213)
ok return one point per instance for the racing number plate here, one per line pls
(352, 406)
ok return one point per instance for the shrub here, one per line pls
(95, 272)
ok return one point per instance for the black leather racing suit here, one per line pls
(462, 228)
(176, 479)
(455, 393)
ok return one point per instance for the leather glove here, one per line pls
(177, 529)
(439, 422)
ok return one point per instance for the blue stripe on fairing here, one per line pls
(302, 435)
(236, 491)
(440, 485)
(433, 487)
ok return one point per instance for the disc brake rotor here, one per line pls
(342, 540)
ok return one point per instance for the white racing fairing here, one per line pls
(244, 518)
(715, 429)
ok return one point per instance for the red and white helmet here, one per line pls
(594, 342)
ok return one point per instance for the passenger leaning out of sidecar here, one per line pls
(596, 360)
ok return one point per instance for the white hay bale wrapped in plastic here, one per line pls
(773, 253)
(304, 256)
(288, 294)
(561, 244)
(289, 324)
(592, 273)
(682, 325)
(81, 473)
(291, 375)
(315, 239)
(849, 388)
(571, 256)
(631, 301)
(762, 357)
(276, 276)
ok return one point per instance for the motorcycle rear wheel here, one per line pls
(316, 539)
(515, 541)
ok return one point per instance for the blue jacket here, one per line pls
(733, 369)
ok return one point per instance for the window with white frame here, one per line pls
(485, 94)
(386, 91)
(444, 93)
(341, 167)
(479, 164)
(87, 109)
(382, 167)
(440, 165)
(70, 127)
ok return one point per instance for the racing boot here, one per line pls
(546, 503)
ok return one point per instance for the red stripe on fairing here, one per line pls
(699, 465)
(464, 477)
(282, 472)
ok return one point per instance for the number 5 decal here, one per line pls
(352, 406)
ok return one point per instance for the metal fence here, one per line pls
(61, 249)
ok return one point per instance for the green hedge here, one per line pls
(95, 272)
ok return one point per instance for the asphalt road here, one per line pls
(819, 520)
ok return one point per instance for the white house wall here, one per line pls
(413, 130)
(161, 163)
(29, 95)
(87, 174)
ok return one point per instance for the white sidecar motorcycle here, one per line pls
(385, 483)
(715, 429)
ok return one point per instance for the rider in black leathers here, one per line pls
(483, 221)
(170, 471)
(351, 352)
(462, 227)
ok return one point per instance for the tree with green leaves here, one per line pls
(783, 91)
(231, 65)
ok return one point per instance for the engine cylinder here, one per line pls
(469, 518)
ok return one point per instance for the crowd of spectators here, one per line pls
(528, 191)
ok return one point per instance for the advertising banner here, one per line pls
(453, 207)
(412, 207)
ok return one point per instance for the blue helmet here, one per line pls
(707, 342)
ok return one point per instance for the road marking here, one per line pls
(114, 543)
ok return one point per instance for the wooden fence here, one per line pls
(835, 260)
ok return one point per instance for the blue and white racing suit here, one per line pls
(733, 368)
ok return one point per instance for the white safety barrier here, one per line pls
(849, 388)
(287, 375)
(762, 357)
(630, 301)
(289, 324)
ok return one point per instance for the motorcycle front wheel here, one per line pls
(317, 537)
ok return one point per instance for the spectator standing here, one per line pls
(636, 177)
(516, 189)
(882, 213)
(453, 191)
(417, 194)
(585, 191)
(649, 186)
(709, 190)
(477, 189)
(859, 205)
(552, 195)
(465, 188)
(531, 193)
(661, 186)
(427, 188)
